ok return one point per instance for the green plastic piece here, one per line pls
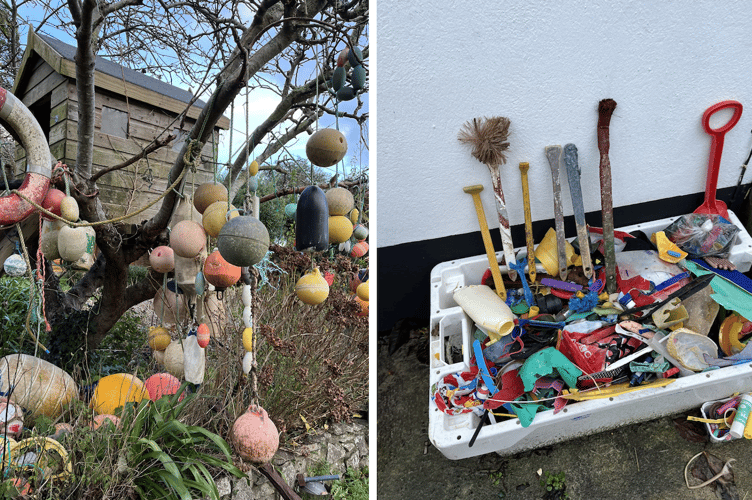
(548, 361)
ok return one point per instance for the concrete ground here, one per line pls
(641, 461)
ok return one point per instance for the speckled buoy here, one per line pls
(362, 291)
(69, 209)
(360, 232)
(159, 338)
(290, 210)
(71, 243)
(326, 147)
(216, 215)
(254, 436)
(203, 335)
(52, 202)
(208, 193)
(162, 259)
(243, 241)
(359, 250)
(187, 239)
(173, 359)
(340, 201)
(40, 387)
(162, 384)
(340, 229)
(312, 288)
(219, 272)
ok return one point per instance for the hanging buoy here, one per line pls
(358, 77)
(339, 77)
(312, 220)
(69, 209)
(326, 147)
(187, 239)
(216, 215)
(48, 243)
(290, 210)
(248, 339)
(359, 250)
(219, 272)
(362, 291)
(340, 229)
(360, 232)
(355, 57)
(203, 335)
(15, 265)
(243, 241)
(162, 384)
(354, 213)
(159, 338)
(114, 391)
(342, 57)
(253, 168)
(253, 184)
(346, 93)
(340, 201)
(162, 259)
(72, 243)
(254, 436)
(247, 362)
(52, 202)
(173, 359)
(208, 193)
(199, 284)
(312, 288)
(169, 304)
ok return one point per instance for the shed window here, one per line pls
(114, 122)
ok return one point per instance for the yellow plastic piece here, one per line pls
(613, 390)
(665, 246)
(43, 447)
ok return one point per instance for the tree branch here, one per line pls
(158, 143)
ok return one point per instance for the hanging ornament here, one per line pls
(326, 147)
(162, 259)
(203, 335)
(253, 184)
(243, 241)
(216, 215)
(312, 288)
(208, 193)
(312, 220)
(253, 168)
(187, 239)
(52, 202)
(219, 272)
(69, 209)
(290, 210)
(359, 250)
(254, 436)
(340, 201)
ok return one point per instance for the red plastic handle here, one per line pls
(717, 107)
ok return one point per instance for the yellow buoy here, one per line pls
(312, 288)
(354, 213)
(362, 291)
(69, 209)
(248, 339)
(216, 215)
(113, 391)
(253, 168)
(326, 147)
(159, 338)
(340, 229)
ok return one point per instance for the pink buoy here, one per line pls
(254, 435)
(52, 202)
(187, 238)
(162, 259)
(203, 335)
(162, 384)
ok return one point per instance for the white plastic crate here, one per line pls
(451, 347)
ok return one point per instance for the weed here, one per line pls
(353, 484)
(556, 486)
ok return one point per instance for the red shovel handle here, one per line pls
(736, 105)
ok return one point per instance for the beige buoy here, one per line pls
(326, 147)
(170, 305)
(114, 391)
(158, 357)
(173, 359)
(208, 193)
(159, 338)
(162, 259)
(340, 201)
(69, 209)
(50, 232)
(187, 239)
(362, 291)
(72, 243)
(254, 436)
(87, 260)
(312, 288)
(40, 387)
(216, 215)
(340, 229)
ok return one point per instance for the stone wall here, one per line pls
(342, 446)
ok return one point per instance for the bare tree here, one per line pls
(289, 46)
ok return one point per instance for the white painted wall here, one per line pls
(546, 66)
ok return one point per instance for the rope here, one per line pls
(32, 285)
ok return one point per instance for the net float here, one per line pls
(159, 338)
(162, 384)
(114, 391)
(254, 436)
(219, 272)
(359, 250)
(216, 215)
(187, 239)
(326, 147)
(208, 193)
(312, 288)
(340, 229)
(162, 259)
(243, 241)
(203, 335)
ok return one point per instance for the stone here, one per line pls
(335, 454)
(224, 486)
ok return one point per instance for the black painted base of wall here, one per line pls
(404, 270)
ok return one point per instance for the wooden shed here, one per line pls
(132, 109)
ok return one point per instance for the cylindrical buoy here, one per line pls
(326, 147)
(312, 288)
(243, 241)
(248, 339)
(312, 220)
(254, 436)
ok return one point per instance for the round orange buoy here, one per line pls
(359, 249)
(203, 335)
(208, 193)
(216, 215)
(187, 239)
(254, 435)
(162, 384)
(219, 272)
(312, 288)
(326, 147)
(114, 391)
(159, 338)
(363, 306)
(162, 259)
(340, 201)
(340, 229)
